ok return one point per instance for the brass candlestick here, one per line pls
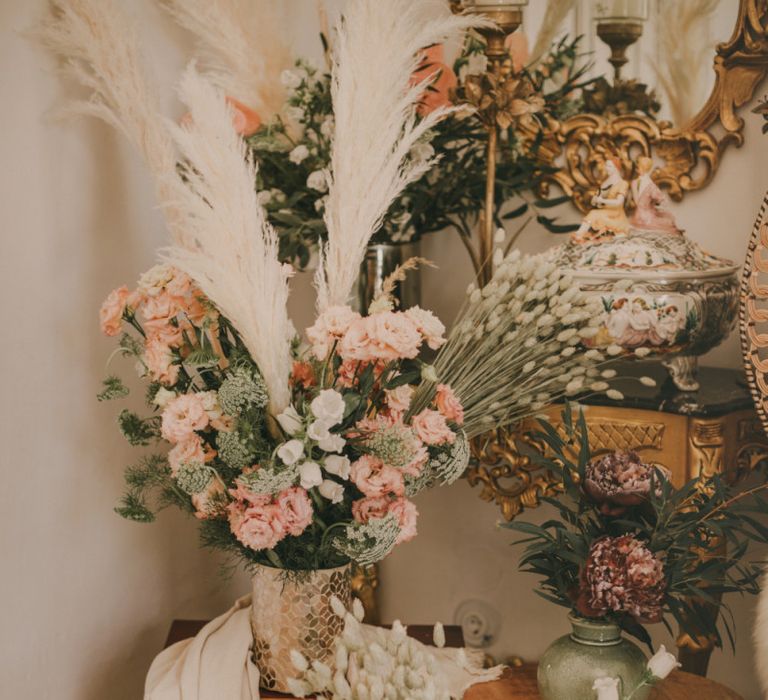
(619, 35)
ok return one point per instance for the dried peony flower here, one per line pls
(621, 575)
(621, 479)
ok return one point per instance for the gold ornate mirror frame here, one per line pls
(690, 155)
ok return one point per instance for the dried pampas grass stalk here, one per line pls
(240, 47)
(377, 48)
(398, 275)
(683, 29)
(234, 254)
(101, 50)
(551, 25)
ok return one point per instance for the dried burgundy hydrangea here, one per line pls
(620, 479)
(621, 575)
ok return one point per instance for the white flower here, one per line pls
(337, 465)
(298, 154)
(328, 406)
(320, 203)
(210, 401)
(294, 113)
(331, 490)
(264, 197)
(310, 475)
(289, 79)
(421, 152)
(326, 128)
(290, 420)
(318, 431)
(163, 396)
(277, 195)
(291, 452)
(333, 443)
(317, 181)
(662, 663)
(607, 688)
(153, 280)
(428, 372)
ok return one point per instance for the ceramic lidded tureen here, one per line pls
(663, 296)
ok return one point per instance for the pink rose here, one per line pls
(179, 286)
(168, 334)
(387, 335)
(419, 459)
(159, 361)
(158, 310)
(294, 510)
(111, 312)
(257, 527)
(448, 404)
(330, 326)
(187, 451)
(209, 502)
(431, 428)
(406, 514)
(429, 325)
(367, 508)
(182, 416)
(399, 399)
(374, 478)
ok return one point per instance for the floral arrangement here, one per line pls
(293, 149)
(630, 548)
(327, 480)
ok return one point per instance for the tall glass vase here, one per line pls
(380, 261)
(292, 610)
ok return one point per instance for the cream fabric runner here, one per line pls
(216, 664)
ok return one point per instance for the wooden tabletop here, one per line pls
(520, 684)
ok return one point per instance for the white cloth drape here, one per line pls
(216, 664)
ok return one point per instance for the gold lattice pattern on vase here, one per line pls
(291, 611)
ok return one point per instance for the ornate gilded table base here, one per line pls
(715, 430)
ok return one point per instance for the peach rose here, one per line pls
(406, 514)
(448, 404)
(245, 120)
(431, 428)
(328, 328)
(257, 527)
(294, 510)
(159, 361)
(419, 459)
(111, 312)
(167, 334)
(209, 502)
(303, 375)
(443, 80)
(399, 399)
(387, 335)
(182, 416)
(429, 325)
(158, 310)
(374, 478)
(367, 508)
(186, 451)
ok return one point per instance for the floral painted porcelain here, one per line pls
(662, 295)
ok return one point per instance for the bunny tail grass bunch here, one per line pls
(373, 663)
(516, 345)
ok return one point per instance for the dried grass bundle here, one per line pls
(101, 51)
(683, 28)
(551, 25)
(241, 48)
(232, 251)
(377, 49)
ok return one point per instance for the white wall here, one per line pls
(88, 596)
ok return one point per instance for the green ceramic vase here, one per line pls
(569, 668)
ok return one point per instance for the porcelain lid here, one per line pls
(642, 254)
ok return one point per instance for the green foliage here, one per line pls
(137, 430)
(150, 488)
(687, 529)
(133, 508)
(113, 389)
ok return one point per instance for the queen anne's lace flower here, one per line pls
(367, 543)
(193, 477)
(234, 449)
(241, 390)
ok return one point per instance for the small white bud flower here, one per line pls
(648, 381)
(614, 394)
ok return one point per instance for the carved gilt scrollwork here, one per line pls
(689, 155)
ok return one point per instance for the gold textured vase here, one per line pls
(292, 610)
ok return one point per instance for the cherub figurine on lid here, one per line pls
(650, 214)
(607, 220)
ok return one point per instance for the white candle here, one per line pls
(618, 10)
